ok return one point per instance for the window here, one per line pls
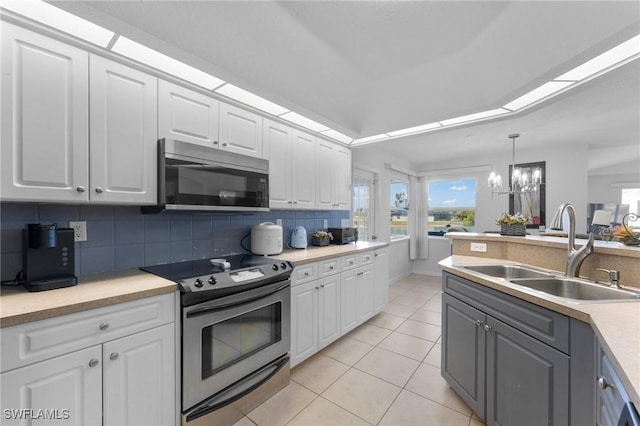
(451, 204)
(363, 204)
(631, 196)
(399, 223)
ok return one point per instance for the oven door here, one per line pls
(226, 339)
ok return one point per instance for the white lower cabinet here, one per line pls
(127, 376)
(334, 296)
(66, 390)
(357, 297)
(139, 379)
(315, 316)
(380, 279)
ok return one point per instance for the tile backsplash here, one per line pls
(120, 237)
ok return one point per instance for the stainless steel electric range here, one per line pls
(235, 334)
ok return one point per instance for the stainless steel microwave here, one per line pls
(194, 177)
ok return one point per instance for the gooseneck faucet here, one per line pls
(575, 257)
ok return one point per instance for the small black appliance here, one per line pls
(48, 260)
(343, 235)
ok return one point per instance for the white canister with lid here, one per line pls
(266, 239)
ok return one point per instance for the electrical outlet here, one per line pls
(481, 247)
(279, 222)
(79, 231)
(325, 223)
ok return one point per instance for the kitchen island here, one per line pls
(616, 325)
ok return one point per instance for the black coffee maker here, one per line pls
(48, 260)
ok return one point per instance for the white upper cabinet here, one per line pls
(291, 155)
(45, 124)
(187, 115)
(333, 176)
(277, 140)
(123, 117)
(303, 167)
(240, 131)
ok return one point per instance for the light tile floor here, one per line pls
(385, 372)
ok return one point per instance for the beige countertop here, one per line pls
(617, 325)
(314, 254)
(17, 305)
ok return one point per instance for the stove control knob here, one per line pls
(275, 267)
(283, 265)
(198, 282)
(212, 280)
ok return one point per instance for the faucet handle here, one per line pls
(614, 276)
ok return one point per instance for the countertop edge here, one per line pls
(315, 254)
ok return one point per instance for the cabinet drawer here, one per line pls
(39, 340)
(543, 324)
(305, 273)
(329, 267)
(350, 262)
(366, 258)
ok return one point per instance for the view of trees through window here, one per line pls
(399, 200)
(451, 204)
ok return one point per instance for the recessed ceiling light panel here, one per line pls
(303, 121)
(337, 136)
(537, 94)
(611, 57)
(374, 138)
(474, 117)
(59, 19)
(417, 129)
(248, 98)
(155, 59)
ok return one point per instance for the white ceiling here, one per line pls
(365, 68)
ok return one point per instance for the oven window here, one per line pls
(196, 184)
(234, 339)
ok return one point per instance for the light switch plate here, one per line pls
(481, 247)
(279, 222)
(325, 223)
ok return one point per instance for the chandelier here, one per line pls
(523, 180)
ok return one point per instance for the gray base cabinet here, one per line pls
(511, 361)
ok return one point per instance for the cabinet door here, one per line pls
(45, 118)
(463, 352)
(304, 321)
(240, 131)
(277, 146)
(527, 381)
(325, 175)
(68, 390)
(342, 181)
(348, 301)
(139, 378)
(187, 115)
(303, 170)
(328, 310)
(364, 293)
(123, 136)
(381, 279)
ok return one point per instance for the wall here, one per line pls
(566, 182)
(123, 238)
(399, 263)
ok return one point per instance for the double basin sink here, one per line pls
(575, 289)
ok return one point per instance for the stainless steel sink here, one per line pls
(571, 288)
(508, 271)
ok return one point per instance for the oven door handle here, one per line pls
(236, 299)
(238, 390)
